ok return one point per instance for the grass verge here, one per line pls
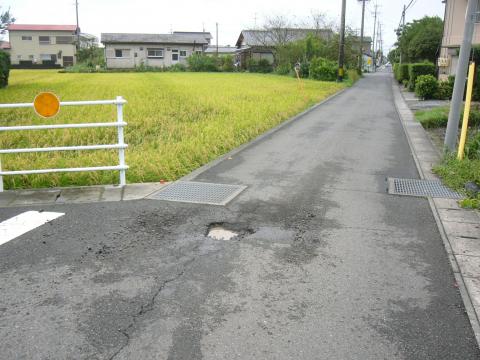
(176, 121)
(456, 174)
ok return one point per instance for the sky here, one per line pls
(157, 16)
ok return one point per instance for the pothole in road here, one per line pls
(225, 232)
(219, 233)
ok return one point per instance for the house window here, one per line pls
(30, 57)
(174, 55)
(48, 58)
(64, 39)
(26, 38)
(155, 53)
(44, 40)
(122, 53)
(183, 53)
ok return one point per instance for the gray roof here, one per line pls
(273, 37)
(205, 34)
(153, 38)
(221, 49)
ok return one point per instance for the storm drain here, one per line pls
(199, 193)
(424, 188)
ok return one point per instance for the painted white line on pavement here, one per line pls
(23, 223)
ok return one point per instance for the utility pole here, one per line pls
(460, 77)
(403, 27)
(374, 38)
(360, 62)
(380, 42)
(77, 31)
(217, 38)
(341, 55)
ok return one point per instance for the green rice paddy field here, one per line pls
(176, 121)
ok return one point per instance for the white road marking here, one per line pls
(23, 223)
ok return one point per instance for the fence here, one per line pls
(121, 146)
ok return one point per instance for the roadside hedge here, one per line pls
(400, 72)
(4, 68)
(418, 69)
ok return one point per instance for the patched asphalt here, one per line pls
(326, 265)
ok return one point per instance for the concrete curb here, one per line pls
(77, 195)
(459, 228)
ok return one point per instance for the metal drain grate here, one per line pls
(199, 193)
(424, 188)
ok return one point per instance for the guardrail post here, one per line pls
(121, 141)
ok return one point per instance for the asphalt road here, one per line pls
(327, 265)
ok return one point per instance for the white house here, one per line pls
(124, 51)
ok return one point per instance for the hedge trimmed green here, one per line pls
(4, 68)
(418, 69)
(401, 72)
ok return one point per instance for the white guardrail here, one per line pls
(121, 146)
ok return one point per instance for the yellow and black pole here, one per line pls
(341, 55)
(466, 112)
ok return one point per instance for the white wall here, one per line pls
(137, 55)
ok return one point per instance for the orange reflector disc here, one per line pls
(46, 104)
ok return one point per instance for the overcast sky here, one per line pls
(156, 16)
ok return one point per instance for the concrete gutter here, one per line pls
(459, 228)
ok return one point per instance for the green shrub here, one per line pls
(305, 69)
(402, 73)
(426, 87)
(445, 90)
(4, 68)
(405, 83)
(83, 68)
(202, 63)
(353, 75)
(226, 63)
(178, 68)
(323, 69)
(259, 66)
(418, 69)
(264, 66)
(283, 69)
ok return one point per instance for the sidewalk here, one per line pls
(460, 228)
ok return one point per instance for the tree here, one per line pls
(421, 39)
(6, 19)
(394, 56)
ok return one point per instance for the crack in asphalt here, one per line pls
(148, 307)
